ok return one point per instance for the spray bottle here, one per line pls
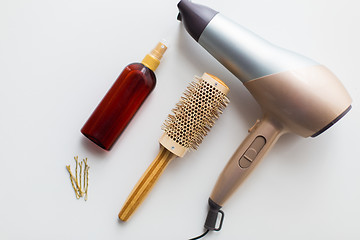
(122, 101)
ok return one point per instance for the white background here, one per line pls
(58, 59)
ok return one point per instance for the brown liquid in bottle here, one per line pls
(122, 101)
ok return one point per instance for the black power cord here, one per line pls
(211, 219)
(202, 235)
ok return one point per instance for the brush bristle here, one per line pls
(195, 113)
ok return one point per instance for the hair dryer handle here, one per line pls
(262, 137)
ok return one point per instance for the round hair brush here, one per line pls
(193, 116)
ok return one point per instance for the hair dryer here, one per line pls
(296, 94)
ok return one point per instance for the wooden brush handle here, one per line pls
(146, 182)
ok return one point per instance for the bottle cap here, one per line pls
(152, 60)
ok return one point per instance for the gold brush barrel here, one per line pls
(197, 111)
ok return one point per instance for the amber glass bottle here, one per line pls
(124, 98)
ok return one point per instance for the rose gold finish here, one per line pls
(233, 174)
(303, 100)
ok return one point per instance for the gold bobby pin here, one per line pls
(86, 172)
(72, 179)
(80, 182)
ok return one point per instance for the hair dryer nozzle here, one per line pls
(195, 17)
(332, 122)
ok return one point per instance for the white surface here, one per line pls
(58, 59)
